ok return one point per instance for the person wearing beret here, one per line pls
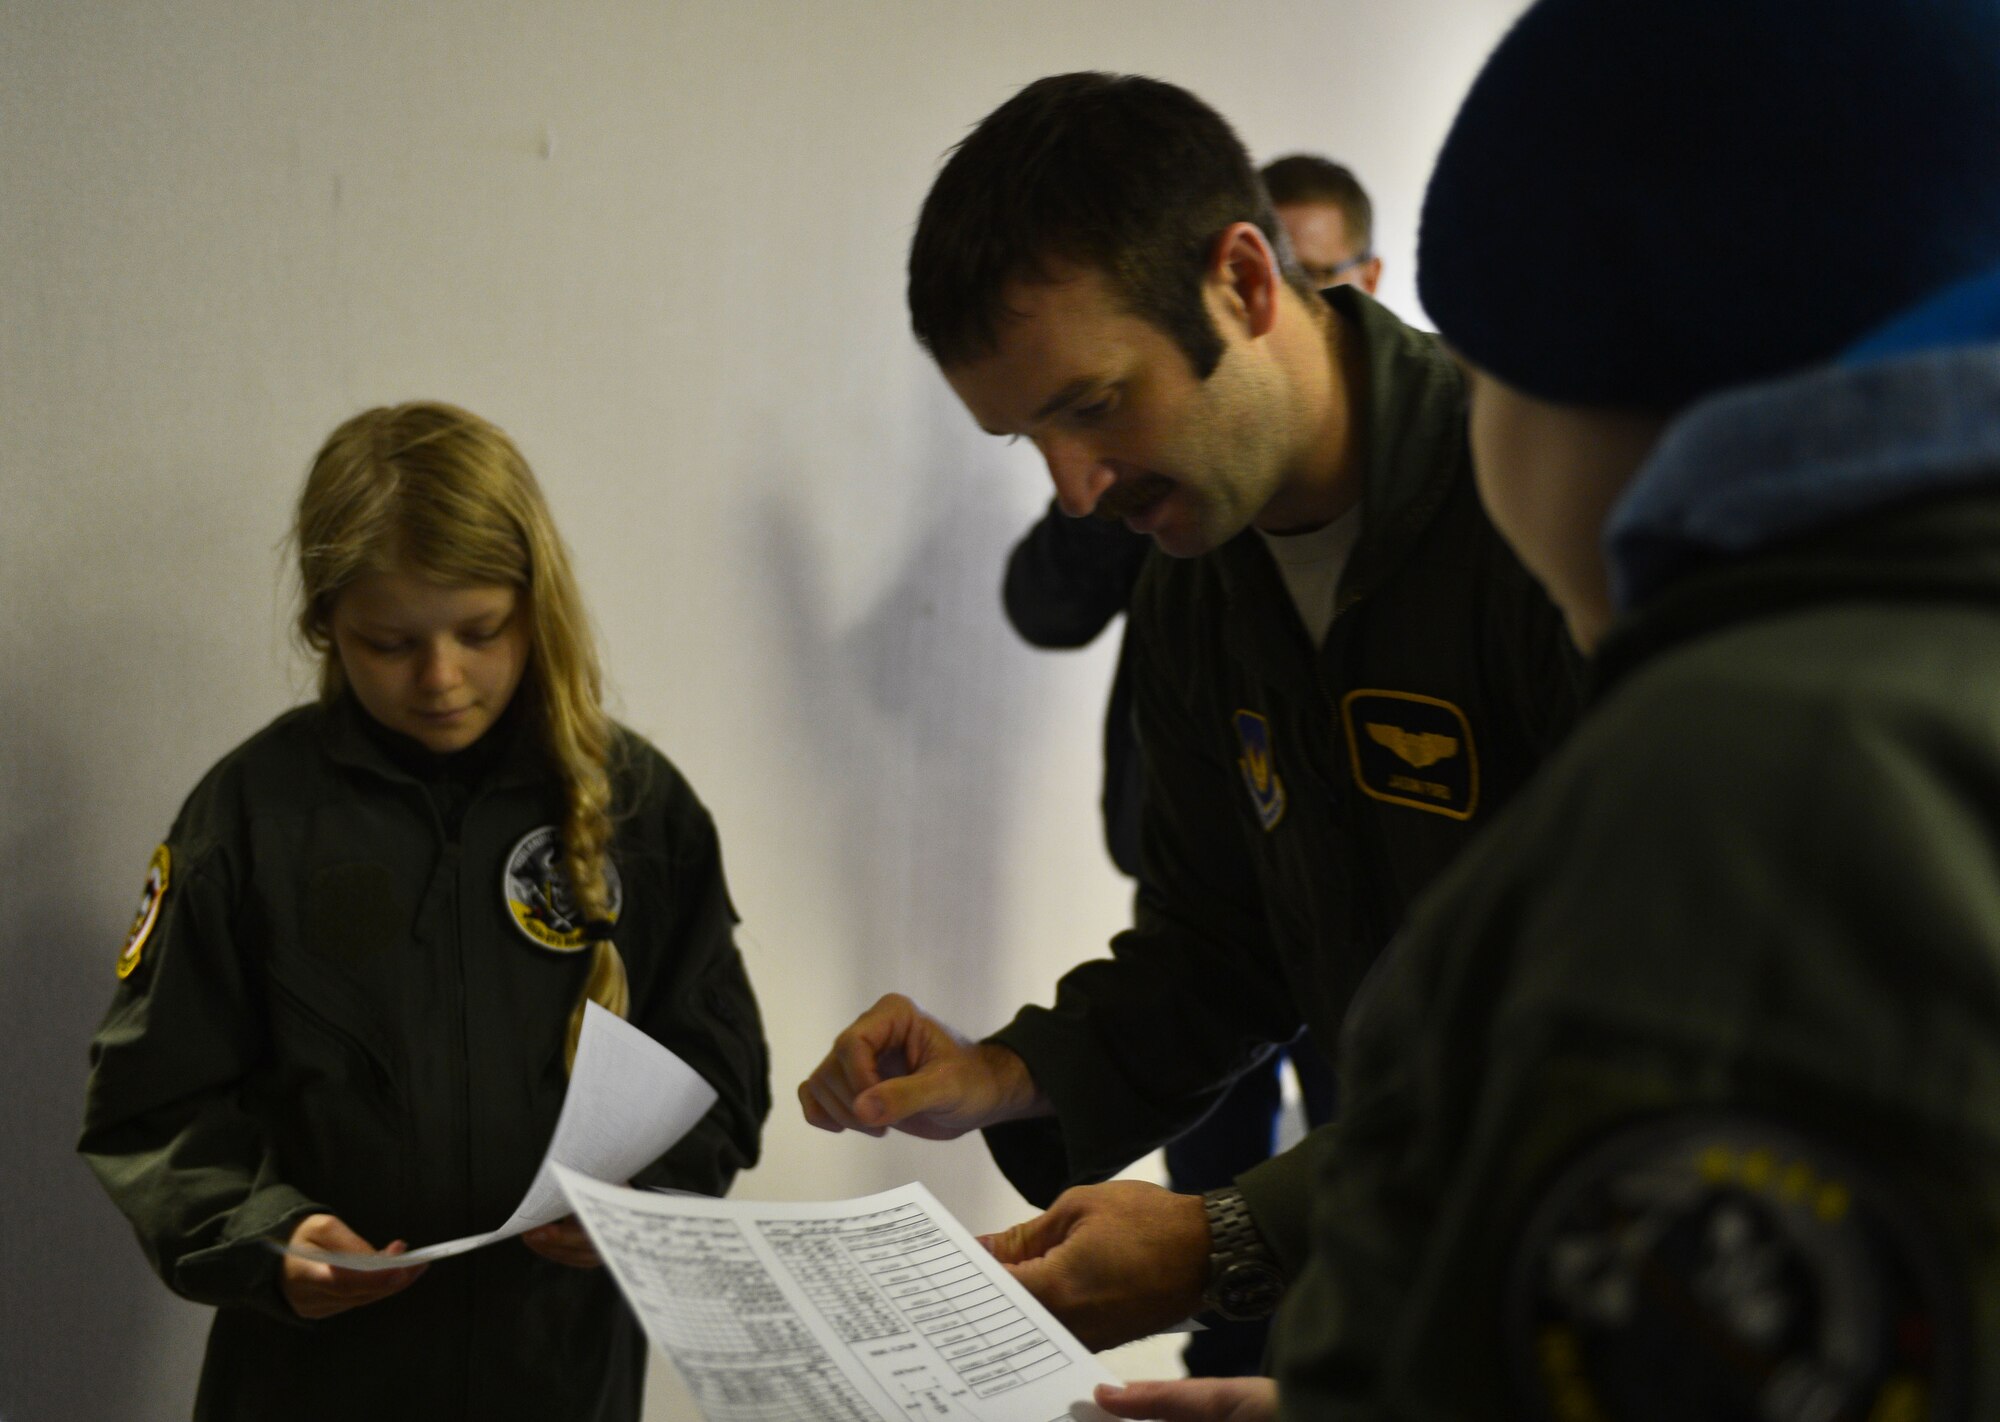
(1679, 1096)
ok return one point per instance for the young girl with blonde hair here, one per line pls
(348, 1003)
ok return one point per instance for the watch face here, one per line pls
(1248, 1289)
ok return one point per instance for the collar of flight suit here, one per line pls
(344, 735)
(1411, 437)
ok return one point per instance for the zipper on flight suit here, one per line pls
(446, 900)
(442, 902)
(1352, 821)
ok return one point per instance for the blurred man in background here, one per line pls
(1327, 214)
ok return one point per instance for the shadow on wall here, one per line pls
(915, 717)
(86, 1331)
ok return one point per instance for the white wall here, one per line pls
(662, 244)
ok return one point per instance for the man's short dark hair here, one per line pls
(1307, 177)
(1129, 175)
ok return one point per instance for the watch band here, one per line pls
(1244, 1281)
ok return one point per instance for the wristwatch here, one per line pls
(1244, 1281)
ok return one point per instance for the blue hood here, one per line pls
(1763, 464)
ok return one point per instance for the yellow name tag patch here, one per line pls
(1412, 750)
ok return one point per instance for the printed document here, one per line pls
(629, 1099)
(858, 1311)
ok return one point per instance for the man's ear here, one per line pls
(1371, 275)
(1243, 267)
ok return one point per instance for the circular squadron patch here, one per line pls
(536, 889)
(159, 869)
(1720, 1266)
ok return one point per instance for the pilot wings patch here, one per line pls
(1412, 750)
(1419, 748)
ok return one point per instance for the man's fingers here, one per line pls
(856, 1063)
(827, 1109)
(874, 1050)
(898, 1068)
(885, 1027)
(922, 1093)
(815, 1114)
(1154, 1400)
(886, 1104)
(1027, 1240)
(1051, 1287)
(825, 1093)
(855, 1059)
(1193, 1400)
(1114, 1261)
(886, 1042)
(1140, 1399)
(1030, 1256)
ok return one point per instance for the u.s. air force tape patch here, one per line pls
(537, 891)
(1720, 1266)
(159, 869)
(1412, 750)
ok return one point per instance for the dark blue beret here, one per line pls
(1642, 201)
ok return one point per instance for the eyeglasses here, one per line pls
(1330, 276)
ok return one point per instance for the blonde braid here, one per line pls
(581, 751)
(579, 741)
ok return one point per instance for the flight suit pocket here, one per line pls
(323, 1029)
(335, 1098)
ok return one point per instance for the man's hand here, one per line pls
(563, 1242)
(1114, 1262)
(897, 1067)
(1194, 1400)
(316, 1290)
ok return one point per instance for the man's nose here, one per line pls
(1081, 476)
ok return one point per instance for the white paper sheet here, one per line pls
(855, 1311)
(629, 1099)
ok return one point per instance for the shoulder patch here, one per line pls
(536, 890)
(159, 870)
(1718, 1265)
(1412, 750)
(1260, 777)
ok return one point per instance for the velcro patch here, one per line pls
(1717, 1265)
(1412, 750)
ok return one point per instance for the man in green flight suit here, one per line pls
(1679, 1096)
(1341, 672)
